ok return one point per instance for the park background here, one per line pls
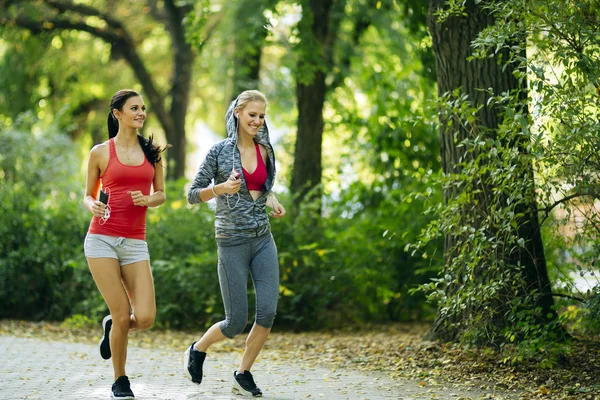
(438, 161)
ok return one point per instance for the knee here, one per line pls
(144, 320)
(121, 321)
(265, 319)
(233, 327)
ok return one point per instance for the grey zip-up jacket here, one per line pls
(237, 215)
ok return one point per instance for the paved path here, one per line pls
(50, 370)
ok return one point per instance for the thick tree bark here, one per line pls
(316, 77)
(183, 60)
(307, 161)
(452, 46)
(319, 25)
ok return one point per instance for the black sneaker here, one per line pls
(244, 384)
(192, 364)
(105, 341)
(121, 389)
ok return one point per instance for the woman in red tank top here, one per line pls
(127, 168)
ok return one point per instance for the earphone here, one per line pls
(227, 196)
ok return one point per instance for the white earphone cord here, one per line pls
(228, 196)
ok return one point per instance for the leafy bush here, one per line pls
(591, 313)
(540, 158)
(43, 274)
(184, 261)
(350, 267)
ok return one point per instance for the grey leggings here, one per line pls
(236, 257)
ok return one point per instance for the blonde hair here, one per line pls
(249, 96)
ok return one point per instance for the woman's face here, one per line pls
(133, 113)
(251, 118)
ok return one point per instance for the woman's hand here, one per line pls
(230, 186)
(98, 209)
(278, 210)
(138, 198)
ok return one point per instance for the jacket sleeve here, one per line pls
(206, 173)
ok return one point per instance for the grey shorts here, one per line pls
(127, 251)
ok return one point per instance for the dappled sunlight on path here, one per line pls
(33, 368)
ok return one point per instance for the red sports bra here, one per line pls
(257, 179)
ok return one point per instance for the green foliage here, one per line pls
(479, 283)
(184, 262)
(481, 293)
(383, 115)
(43, 274)
(308, 48)
(79, 321)
(591, 317)
(346, 268)
(18, 85)
(66, 77)
(541, 343)
(564, 79)
(196, 22)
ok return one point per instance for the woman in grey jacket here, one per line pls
(243, 234)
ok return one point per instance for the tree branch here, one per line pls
(53, 24)
(568, 296)
(363, 22)
(82, 9)
(552, 25)
(547, 210)
(210, 30)
(158, 14)
(336, 14)
(117, 37)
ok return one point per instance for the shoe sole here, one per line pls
(122, 398)
(105, 353)
(186, 360)
(237, 389)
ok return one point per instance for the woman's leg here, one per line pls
(107, 275)
(233, 268)
(138, 281)
(254, 344)
(233, 279)
(265, 275)
(210, 337)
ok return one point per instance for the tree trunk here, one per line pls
(320, 20)
(452, 46)
(183, 60)
(307, 161)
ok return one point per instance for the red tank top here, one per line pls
(257, 179)
(126, 219)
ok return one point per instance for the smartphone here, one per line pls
(103, 197)
(235, 175)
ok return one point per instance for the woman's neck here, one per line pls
(245, 142)
(127, 137)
